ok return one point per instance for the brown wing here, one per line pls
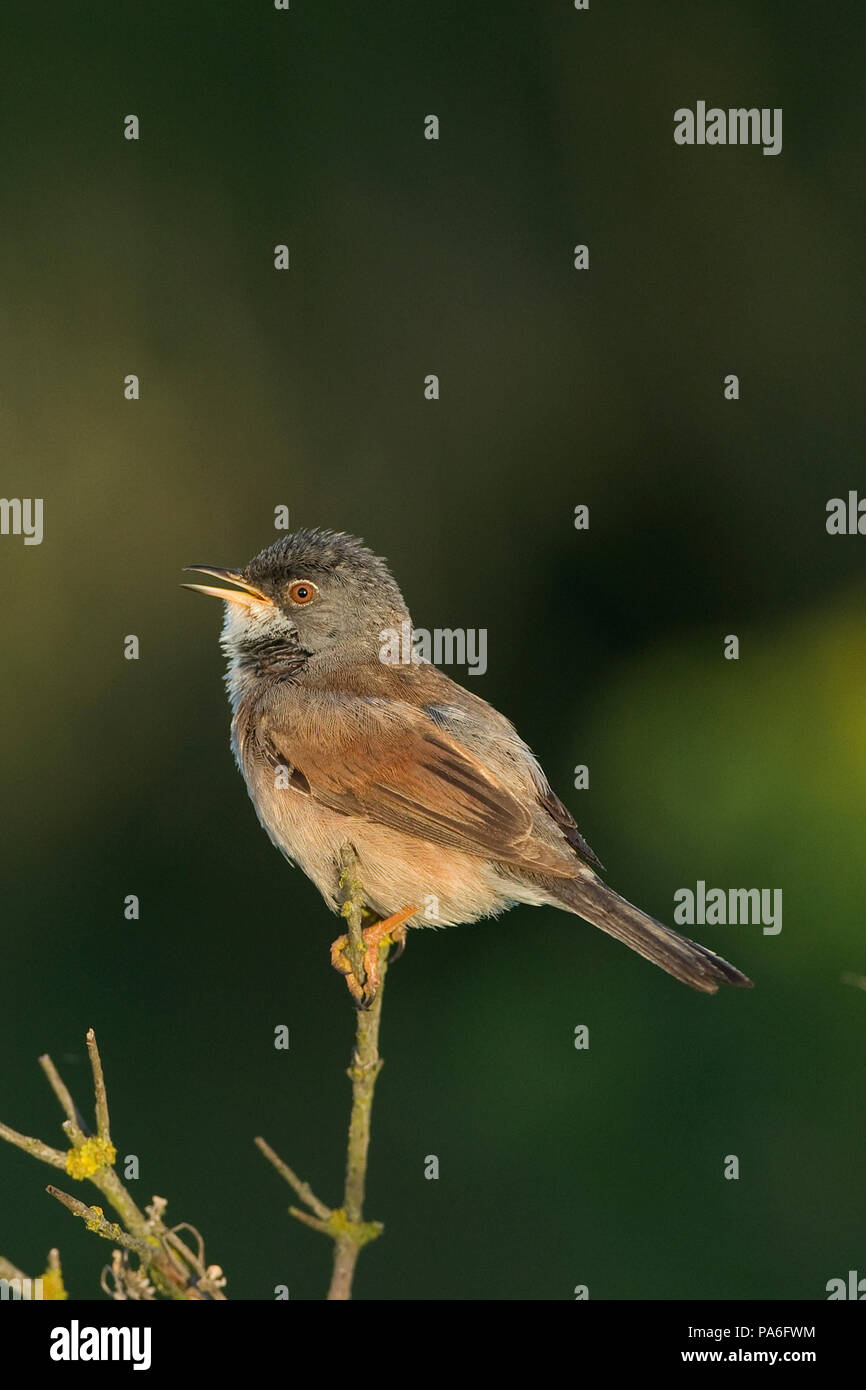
(568, 825)
(392, 765)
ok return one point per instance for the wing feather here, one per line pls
(389, 763)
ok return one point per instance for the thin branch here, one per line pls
(304, 1216)
(353, 911)
(303, 1189)
(345, 1225)
(365, 1068)
(112, 1188)
(95, 1220)
(55, 1157)
(102, 1127)
(58, 1086)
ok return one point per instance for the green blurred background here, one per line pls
(305, 388)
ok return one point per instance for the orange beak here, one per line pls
(243, 594)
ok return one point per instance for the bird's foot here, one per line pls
(391, 930)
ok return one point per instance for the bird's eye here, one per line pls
(302, 591)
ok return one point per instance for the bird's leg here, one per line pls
(391, 929)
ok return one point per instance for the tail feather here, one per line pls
(684, 959)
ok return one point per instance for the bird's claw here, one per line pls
(390, 931)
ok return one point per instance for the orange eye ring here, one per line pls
(302, 591)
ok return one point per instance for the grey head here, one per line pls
(313, 596)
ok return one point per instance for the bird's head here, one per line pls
(322, 594)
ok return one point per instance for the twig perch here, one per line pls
(345, 1225)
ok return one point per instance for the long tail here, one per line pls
(684, 959)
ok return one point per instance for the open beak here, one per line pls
(244, 593)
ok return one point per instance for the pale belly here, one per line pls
(396, 870)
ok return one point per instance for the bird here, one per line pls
(446, 811)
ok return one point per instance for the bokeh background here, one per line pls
(305, 388)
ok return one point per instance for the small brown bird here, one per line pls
(448, 813)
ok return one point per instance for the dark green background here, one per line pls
(306, 388)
